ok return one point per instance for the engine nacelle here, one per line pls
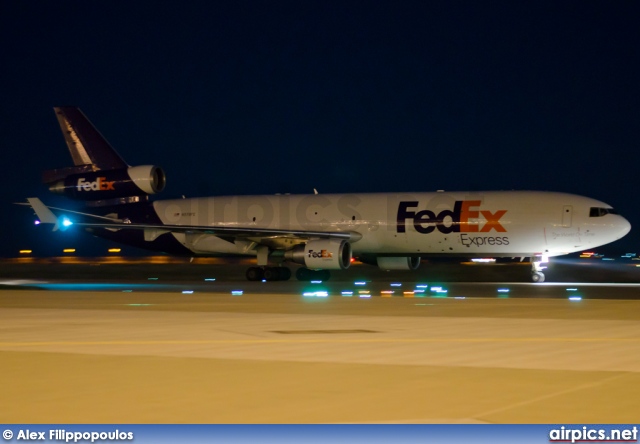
(398, 263)
(109, 184)
(325, 254)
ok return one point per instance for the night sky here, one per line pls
(248, 97)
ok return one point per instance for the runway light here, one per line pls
(237, 292)
(152, 279)
(69, 250)
(422, 286)
(503, 290)
(25, 251)
(114, 250)
(210, 279)
(187, 291)
(386, 293)
(316, 294)
(483, 260)
(459, 297)
(360, 283)
(347, 293)
(575, 298)
(316, 282)
(572, 289)
(396, 284)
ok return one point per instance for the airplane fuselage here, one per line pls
(496, 223)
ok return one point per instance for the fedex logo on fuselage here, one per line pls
(100, 184)
(458, 220)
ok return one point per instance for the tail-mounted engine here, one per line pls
(325, 254)
(110, 184)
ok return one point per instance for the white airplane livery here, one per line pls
(321, 232)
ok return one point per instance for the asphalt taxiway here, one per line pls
(194, 352)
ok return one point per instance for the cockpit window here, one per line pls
(599, 212)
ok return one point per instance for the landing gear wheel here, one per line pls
(537, 277)
(277, 274)
(255, 274)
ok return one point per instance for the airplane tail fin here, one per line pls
(99, 175)
(86, 144)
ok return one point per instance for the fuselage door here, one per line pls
(567, 213)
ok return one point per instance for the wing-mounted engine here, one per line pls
(398, 263)
(111, 184)
(324, 254)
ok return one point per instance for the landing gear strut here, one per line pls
(268, 273)
(538, 263)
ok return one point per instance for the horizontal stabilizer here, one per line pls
(45, 215)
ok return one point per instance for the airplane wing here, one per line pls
(46, 216)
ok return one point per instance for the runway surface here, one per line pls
(470, 354)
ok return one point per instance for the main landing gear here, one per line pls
(538, 263)
(271, 274)
(304, 274)
(268, 274)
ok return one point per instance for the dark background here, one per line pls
(251, 97)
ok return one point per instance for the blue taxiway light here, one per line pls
(317, 294)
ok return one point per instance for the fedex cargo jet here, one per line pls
(321, 232)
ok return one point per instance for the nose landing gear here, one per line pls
(538, 263)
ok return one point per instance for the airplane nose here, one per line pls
(624, 227)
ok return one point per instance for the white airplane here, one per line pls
(321, 232)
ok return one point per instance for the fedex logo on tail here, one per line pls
(100, 184)
(458, 220)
